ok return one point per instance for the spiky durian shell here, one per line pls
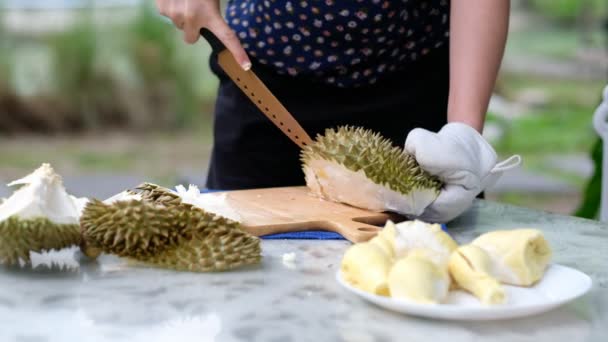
(360, 149)
(19, 237)
(220, 246)
(132, 228)
(161, 231)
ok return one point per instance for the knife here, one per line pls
(257, 92)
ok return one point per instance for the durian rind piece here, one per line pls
(416, 277)
(366, 266)
(220, 247)
(19, 237)
(519, 256)
(133, 228)
(413, 235)
(159, 230)
(471, 268)
(361, 168)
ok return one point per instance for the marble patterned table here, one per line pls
(67, 299)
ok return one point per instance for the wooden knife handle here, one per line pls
(257, 92)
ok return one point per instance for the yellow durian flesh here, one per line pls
(385, 239)
(417, 278)
(519, 257)
(470, 267)
(366, 266)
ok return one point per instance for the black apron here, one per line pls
(250, 152)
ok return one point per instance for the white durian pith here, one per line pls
(39, 216)
(358, 167)
(413, 235)
(213, 204)
(42, 195)
(519, 256)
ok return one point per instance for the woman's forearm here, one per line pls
(478, 34)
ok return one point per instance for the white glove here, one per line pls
(463, 160)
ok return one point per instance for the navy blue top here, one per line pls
(347, 43)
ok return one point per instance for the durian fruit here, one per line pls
(519, 257)
(39, 216)
(471, 269)
(418, 278)
(361, 168)
(152, 226)
(414, 235)
(366, 266)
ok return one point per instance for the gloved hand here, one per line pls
(460, 157)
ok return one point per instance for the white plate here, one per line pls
(560, 285)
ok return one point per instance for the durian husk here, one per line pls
(386, 177)
(161, 231)
(19, 237)
(134, 228)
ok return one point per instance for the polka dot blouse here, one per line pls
(347, 43)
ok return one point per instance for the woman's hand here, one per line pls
(191, 16)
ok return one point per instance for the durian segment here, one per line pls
(220, 246)
(471, 269)
(416, 277)
(361, 168)
(412, 235)
(519, 257)
(19, 237)
(366, 266)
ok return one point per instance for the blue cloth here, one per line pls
(304, 235)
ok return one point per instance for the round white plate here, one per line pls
(560, 285)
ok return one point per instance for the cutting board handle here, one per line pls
(352, 230)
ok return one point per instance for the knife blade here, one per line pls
(257, 92)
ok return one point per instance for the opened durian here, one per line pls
(360, 168)
(519, 257)
(154, 227)
(471, 269)
(418, 278)
(39, 216)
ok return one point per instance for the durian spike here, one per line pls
(19, 237)
(470, 268)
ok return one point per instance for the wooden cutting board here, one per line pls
(292, 209)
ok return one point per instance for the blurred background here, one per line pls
(111, 97)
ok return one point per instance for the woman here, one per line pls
(406, 68)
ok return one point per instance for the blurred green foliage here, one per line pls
(133, 74)
(568, 11)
